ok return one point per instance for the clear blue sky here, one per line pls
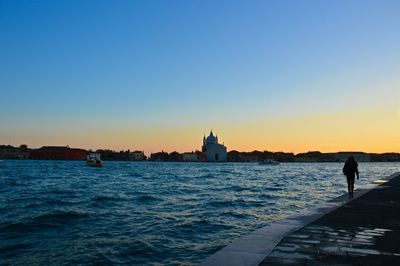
(137, 68)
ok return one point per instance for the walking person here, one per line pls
(350, 170)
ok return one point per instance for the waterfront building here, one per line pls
(175, 157)
(10, 152)
(137, 156)
(358, 156)
(58, 153)
(190, 157)
(385, 157)
(213, 151)
(159, 156)
(194, 156)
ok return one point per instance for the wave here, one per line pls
(44, 221)
(146, 198)
(249, 203)
(133, 174)
(60, 202)
(101, 198)
(227, 172)
(220, 203)
(267, 196)
(236, 214)
(239, 188)
(167, 174)
(60, 192)
(12, 227)
(206, 176)
(274, 188)
(14, 247)
(58, 217)
(201, 226)
(140, 251)
(11, 182)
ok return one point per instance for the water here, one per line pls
(63, 212)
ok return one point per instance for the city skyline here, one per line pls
(279, 76)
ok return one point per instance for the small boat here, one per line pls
(93, 159)
(269, 162)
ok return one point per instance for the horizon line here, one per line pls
(162, 150)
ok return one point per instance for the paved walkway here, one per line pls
(365, 231)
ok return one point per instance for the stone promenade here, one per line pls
(365, 231)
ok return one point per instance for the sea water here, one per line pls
(152, 213)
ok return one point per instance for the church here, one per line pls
(213, 151)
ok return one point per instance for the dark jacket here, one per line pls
(350, 169)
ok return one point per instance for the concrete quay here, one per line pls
(361, 231)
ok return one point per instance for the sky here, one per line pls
(291, 76)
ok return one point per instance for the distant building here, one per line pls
(385, 157)
(214, 151)
(192, 156)
(314, 156)
(175, 157)
(58, 153)
(159, 156)
(10, 152)
(137, 156)
(358, 156)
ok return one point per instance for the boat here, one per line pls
(93, 159)
(269, 162)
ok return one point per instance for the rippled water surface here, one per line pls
(63, 212)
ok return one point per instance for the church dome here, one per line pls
(211, 139)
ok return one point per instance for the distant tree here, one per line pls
(233, 156)
(175, 156)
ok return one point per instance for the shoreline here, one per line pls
(196, 162)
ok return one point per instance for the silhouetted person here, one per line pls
(350, 170)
